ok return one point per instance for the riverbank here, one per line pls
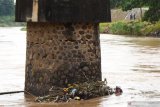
(132, 28)
(9, 21)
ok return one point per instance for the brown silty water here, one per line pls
(132, 63)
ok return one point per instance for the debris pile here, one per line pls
(82, 91)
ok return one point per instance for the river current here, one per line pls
(133, 63)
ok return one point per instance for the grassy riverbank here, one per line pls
(9, 21)
(133, 28)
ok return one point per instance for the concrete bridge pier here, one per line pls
(63, 45)
(61, 53)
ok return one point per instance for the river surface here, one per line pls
(128, 62)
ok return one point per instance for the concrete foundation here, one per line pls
(59, 54)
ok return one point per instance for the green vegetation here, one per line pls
(7, 11)
(7, 7)
(133, 28)
(148, 26)
(152, 15)
(151, 28)
(6, 21)
(115, 3)
(127, 28)
(103, 27)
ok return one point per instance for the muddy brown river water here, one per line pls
(132, 63)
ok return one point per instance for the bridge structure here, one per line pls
(63, 45)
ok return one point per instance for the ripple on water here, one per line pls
(132, 63)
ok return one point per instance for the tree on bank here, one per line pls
(7, 7)
(115, 3)
(153, 14)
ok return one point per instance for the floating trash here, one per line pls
(82, 91)
(118, 91)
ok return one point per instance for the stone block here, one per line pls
(58, 54)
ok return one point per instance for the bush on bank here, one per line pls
(152, 29)
(133, 28)
(9, 21)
